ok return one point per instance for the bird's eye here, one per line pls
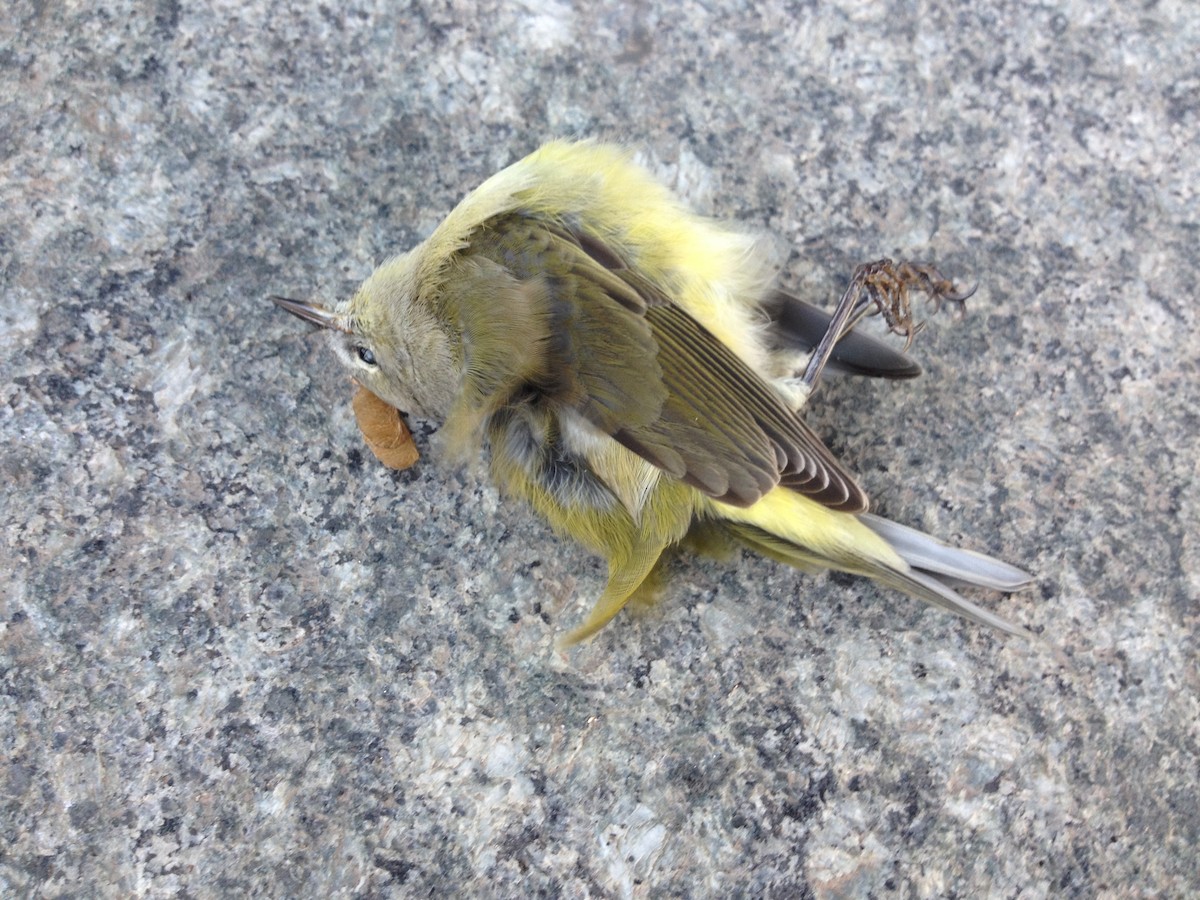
(365, 354)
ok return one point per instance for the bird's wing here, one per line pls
(640, 368)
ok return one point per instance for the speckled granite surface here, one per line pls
(237, 656)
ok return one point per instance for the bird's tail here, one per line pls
(791, 528)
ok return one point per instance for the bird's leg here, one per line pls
(882, 287)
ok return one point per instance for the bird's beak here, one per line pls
(311, 312)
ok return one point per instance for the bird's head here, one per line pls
(392, 340)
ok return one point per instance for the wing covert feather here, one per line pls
(639, 367)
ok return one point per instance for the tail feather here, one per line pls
(925, 587)
(916, 565)
(923, 551)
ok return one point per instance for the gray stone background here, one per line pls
(238, 656)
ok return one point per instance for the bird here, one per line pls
(634, 373)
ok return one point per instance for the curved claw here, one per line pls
(962, 296)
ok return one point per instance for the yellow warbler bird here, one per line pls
(637, 376)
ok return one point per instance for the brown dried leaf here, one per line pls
(384, 430)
